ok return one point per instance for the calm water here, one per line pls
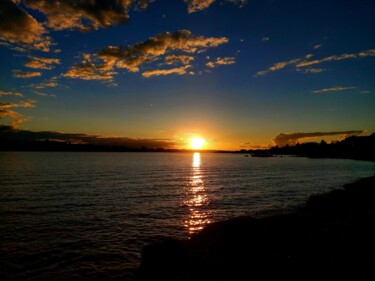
(87, 215)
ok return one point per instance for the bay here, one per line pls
(86, 216)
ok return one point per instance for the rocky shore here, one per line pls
(331, 237)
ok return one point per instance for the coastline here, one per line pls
(330, 237)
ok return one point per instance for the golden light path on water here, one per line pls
(196, 198)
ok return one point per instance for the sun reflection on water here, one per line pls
(196, 198)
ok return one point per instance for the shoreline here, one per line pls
(330, 237)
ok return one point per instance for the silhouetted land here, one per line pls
(331, 237)
(361, 148)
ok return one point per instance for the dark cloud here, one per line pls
(293, 138)
(8, 133)
(20, 29)
(83, 15)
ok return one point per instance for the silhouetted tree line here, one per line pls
(353, 147)
(48, 145)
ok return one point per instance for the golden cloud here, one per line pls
(197, 5)
(163, 72)
(221, 61)
(175, 59)
(15, 117)
(11, 93)
(164, 46)
(22, 74)
(42, 63)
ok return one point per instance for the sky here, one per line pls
(240, 74)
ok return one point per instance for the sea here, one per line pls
(86, 216)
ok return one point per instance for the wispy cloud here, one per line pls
(363, 54)
(6, 111)
(23, 74)
(277, 66)
(333, 89)
(46, 84)
(318, 46)
(165, 47)
(284, 139)
(176, 59)
(162, 72)
(11, 93)
(300, 63)
(42, 63)
(220, 61)
(311, 70)
(38, 93)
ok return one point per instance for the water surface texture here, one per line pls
(86, 216)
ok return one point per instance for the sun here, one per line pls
(197, 143)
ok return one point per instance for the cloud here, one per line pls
(293, 138)
(10, 134)
(22, 74)
(28, 103)
(198, 5)
(221, 61)
(318, 46)
(14, 117)
(311, 70)
(20, 29)
(11, 93)
(301, 63)
(84, 15)
(175, 59)
(163, 72)
(43, 94)
(363, 54)
(89, 70)
(42, 63)
(47, 84)
(164, 46)
(334, 89)
(277, 66)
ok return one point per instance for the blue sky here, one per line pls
(237, 73)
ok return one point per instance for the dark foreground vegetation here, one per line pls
(331, 237)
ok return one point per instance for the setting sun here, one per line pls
(197, 143)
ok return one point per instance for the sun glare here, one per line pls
(197, 143)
